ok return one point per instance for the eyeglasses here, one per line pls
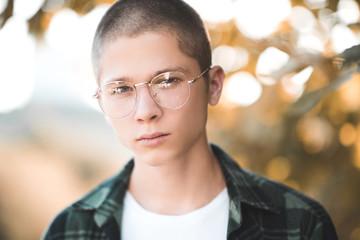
(170, 90)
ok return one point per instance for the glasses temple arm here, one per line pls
(96, 94)
(198, 77)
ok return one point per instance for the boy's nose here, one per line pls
(146, 108)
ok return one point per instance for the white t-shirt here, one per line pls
(208, 222)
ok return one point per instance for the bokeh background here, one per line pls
(290, 108)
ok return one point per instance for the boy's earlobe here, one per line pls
(216, 82)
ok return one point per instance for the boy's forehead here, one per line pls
(118, 40)
(150, 52)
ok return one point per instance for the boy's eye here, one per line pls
(119, 90)
(168, 82)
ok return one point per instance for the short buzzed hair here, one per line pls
(129, 18)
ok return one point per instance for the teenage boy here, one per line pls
(152, 60)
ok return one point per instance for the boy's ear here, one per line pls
(216, 82)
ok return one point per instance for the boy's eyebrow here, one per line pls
(164, 70)
(172, 69)
(118, 79)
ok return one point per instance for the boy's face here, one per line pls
(154, 134)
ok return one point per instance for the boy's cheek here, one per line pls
(121, 130)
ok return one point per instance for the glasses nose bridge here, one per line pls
(142, 84)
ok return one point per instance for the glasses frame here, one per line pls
(97, 94)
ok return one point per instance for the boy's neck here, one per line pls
(182, 185)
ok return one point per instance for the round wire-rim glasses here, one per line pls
(170, 90)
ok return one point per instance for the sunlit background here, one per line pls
(290, 109)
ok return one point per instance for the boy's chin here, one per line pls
(155, 158)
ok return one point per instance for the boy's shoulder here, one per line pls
(258, 201)
(87, 217)
(257, 190)
(280, 197)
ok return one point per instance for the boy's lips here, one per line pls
(152, 139)
(151, 136)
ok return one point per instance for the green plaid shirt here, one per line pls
(259, 209)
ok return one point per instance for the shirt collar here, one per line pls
(108, 198)
(243, 189)
(243, 185)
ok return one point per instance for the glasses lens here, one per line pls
(117, 99)
(171, 90)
